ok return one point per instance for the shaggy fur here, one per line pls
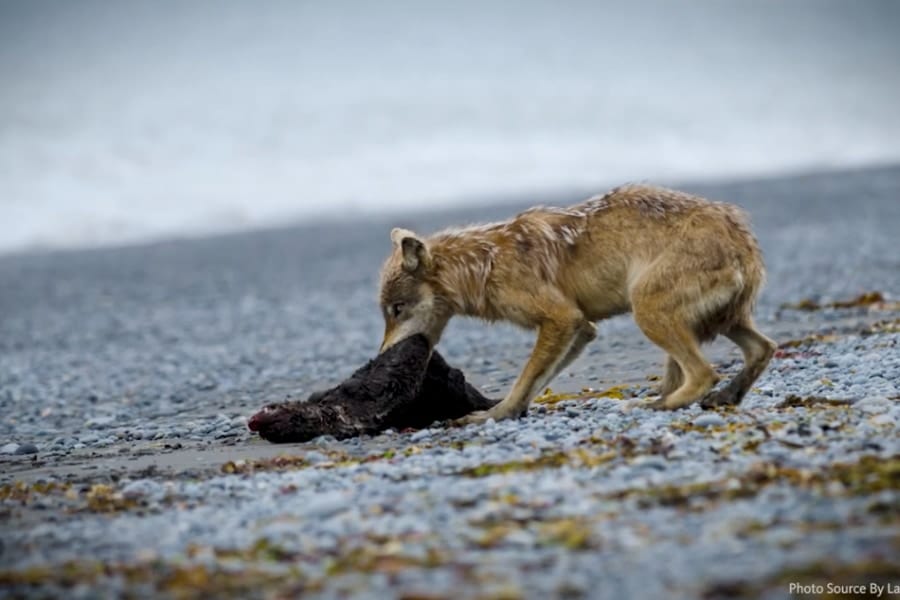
(688, 269)
(398, 389)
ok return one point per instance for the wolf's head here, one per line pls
(409, 302)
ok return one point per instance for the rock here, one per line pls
(204, 383)
(99, 422)
(314, 457)
(326, 505)
(26, 449)
(882, 419)
(520, 537)
(873, 405)
(554, 435)
(140, 488)
(651, 462)
(420, 435)
(709, 420)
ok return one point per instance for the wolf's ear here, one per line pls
(415, 252)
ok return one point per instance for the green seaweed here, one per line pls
(547, 460)
(617, 392)
(883, 326)
(863, 300)
(169, 578)
(793, 401)
(571, 533)
(869, 475)
(23, 492)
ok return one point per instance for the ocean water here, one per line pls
(132, 121)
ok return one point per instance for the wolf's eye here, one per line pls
(397, 308)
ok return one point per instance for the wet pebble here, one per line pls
(27, 448)
(709, 420)
(141, 488)
(420, 436)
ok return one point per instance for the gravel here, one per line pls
(168, 347)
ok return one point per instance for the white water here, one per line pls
(130, 121)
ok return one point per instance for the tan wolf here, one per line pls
(687, 268)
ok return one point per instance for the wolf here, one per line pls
(687, 268)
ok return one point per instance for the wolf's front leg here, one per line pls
(558, 343)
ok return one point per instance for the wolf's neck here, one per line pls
(463, 265)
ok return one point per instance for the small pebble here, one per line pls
(709, 420)
(27, 448)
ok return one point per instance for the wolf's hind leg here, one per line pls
(665, 316)
(757, 350)
(673, 378)
(679, 341)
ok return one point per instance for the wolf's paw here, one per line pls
(475, 418)
(727, 396)
(657, 404)
(663, 403)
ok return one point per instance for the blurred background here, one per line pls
(132, 121)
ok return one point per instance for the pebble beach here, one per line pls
(127, 470)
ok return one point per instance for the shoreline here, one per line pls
(503, 205)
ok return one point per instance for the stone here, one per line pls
(709, 420)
